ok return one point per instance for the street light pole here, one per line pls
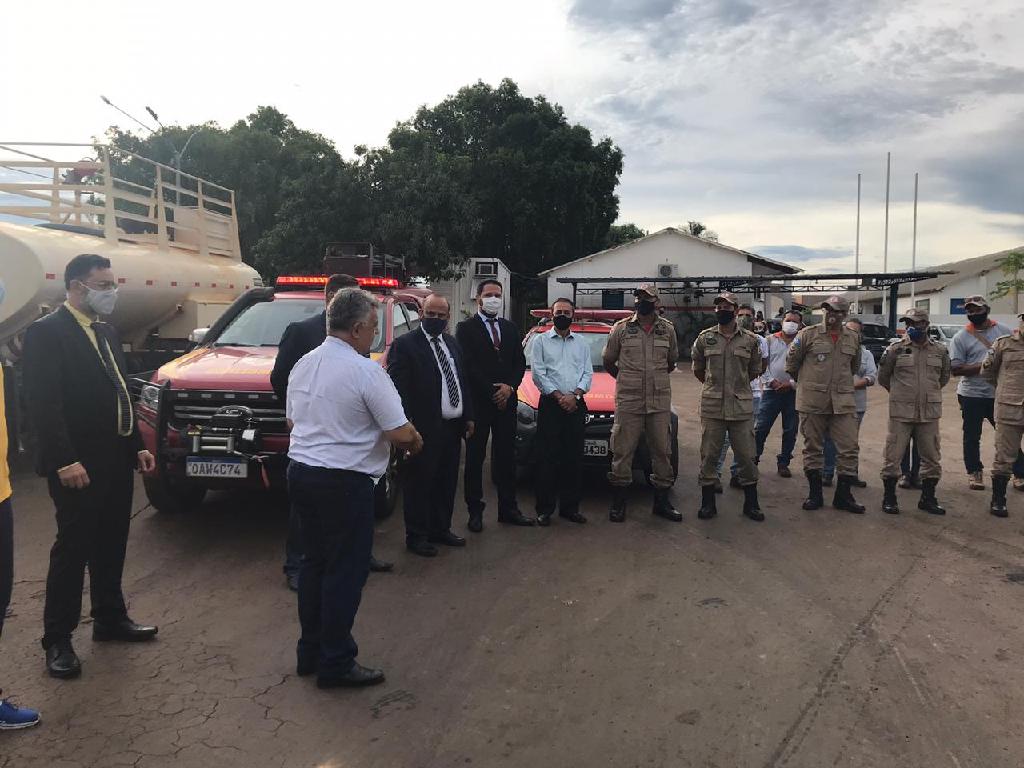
(913, 248)
(885, 246)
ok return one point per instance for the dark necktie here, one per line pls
(449, 375)
(124, 402)
(494, 333)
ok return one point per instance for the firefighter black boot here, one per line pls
(663, 507)
(843, 498)
(889, 503)
(814, 498)
(750, 506)
(618, 510)
(998, 506)
(707, 503)
(928, 501)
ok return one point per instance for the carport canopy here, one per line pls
(829, 283)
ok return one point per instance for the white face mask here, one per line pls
(101, 302)
(491, 305)
(790, 328)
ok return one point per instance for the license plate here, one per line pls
(595, 447)
(227, 468)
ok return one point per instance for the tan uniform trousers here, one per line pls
(628, 429)
(926, 438)
(1008, 438)
(843, 429)
(744, 448)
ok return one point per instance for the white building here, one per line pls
(943, 296)
(666, 253)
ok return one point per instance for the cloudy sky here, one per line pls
(754, 117)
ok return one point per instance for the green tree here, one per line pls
(1012, 264)
(620, 234)
(490, 172)
(697, 229)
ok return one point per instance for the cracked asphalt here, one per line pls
(814, 639)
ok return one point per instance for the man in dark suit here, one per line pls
(89, 448)
(495, 365)
(299, 339)
(429, 373)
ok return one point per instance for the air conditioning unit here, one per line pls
(668, 270)
(485, 269)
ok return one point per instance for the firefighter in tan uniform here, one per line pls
(1004, 369)
(823, 359)
(914, 370)
(641, 353)
(726, 358)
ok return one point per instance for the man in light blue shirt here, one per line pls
(562, 369)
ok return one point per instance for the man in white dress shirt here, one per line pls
(428, 371)
(343, 412)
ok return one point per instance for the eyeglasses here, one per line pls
(103, 285)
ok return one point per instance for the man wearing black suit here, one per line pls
(429, 373)
(89, 448)
(299, 339)
(495, 364)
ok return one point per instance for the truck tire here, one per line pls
(169, 499)
(388, 490)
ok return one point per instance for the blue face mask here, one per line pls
(916, 334)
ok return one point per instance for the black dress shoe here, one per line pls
(573, 517)
(125, 631)
(61, 661)
(357, 677)
(421, 548)
(544, 520)
(292, 580)
(515, 517)
(380, 566)
(448, 538)
(306, 666)
(476, 523)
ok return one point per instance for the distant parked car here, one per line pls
(876, 338)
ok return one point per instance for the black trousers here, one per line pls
(431, 480)
(6, 556)
(500, 426)
(92, 531)
(976, 411)
(336, 509)
(560, 457)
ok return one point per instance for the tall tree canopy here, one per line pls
(487, 172)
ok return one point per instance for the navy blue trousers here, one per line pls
(335, 507)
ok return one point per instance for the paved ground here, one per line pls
(814, 639)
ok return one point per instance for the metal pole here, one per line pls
(913, 248)
(856, 247)
(894, 292)
(885, 246)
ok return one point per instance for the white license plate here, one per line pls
(595, 447)
(227, 468)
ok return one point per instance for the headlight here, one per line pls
(150, 396)
(525, 414)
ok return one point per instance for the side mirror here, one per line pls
(197, 336)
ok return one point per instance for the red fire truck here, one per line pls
(211, 418)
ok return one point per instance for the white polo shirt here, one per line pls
(341, 403)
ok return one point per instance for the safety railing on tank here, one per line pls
(119, 195)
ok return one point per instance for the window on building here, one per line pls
(614, 299)
(925, 304)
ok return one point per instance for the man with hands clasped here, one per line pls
(562, 369)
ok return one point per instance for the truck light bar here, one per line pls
(319, 280)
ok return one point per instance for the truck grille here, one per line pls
(198, 407)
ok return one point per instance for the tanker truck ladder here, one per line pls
(117, 195)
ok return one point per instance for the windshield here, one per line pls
(874, 331)
(263, 324)
(595, 340)
(949, 331)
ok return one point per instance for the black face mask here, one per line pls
(645, 307)
(978, 318)
(724, 316)
(562, 322)
(434, 325)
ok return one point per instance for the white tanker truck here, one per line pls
(172, 239)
